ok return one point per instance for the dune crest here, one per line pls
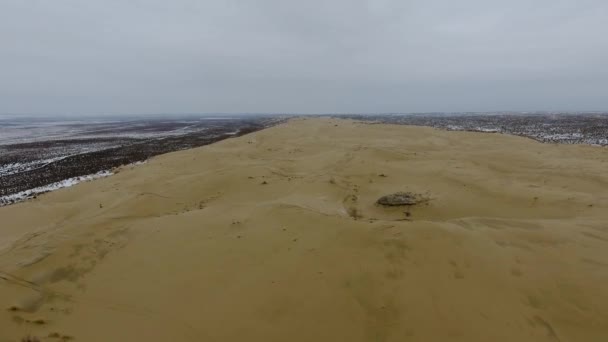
(277, 236)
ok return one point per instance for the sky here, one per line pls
(313, 56)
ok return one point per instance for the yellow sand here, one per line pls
(193, 246)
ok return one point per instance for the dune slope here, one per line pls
(275, 236)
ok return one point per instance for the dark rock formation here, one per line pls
(401, 198)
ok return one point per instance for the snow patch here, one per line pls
(486, 130)
(562, 136)
(27, 194)
(9, 169)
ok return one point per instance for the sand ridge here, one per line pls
(276, 236)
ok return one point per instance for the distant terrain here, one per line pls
(41, 153)
(563, 128)
(319, 230)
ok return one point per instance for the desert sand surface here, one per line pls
(275, 236)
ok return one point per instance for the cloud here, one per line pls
(135, 56)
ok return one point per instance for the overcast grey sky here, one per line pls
(307, 56)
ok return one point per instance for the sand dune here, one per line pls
(275, 236)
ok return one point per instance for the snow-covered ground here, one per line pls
(55, 155)
(36, 153)
(24, 195)
(15, 131)
(31, 193)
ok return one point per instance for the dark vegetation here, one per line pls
(563, 128)
(44, 162)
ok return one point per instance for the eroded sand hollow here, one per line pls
(276, 236)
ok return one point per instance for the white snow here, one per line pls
(23, 195)
(9, 169)
(563, 136)
(455, 128)
(486, 130)
(137, 163)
